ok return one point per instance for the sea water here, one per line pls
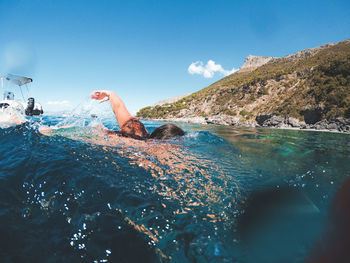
(67, 200)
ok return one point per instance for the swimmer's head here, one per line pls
(167, 131)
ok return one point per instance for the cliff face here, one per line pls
(170, 100)
(305, 89)
(252, 62)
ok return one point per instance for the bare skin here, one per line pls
(167, 155)
(121, 112)
(180, 176)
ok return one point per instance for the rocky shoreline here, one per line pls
(341, 125)
(311, 85)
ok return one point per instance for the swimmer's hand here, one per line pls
(102, 95)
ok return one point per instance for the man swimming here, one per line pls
(130, 126)
(153, 156)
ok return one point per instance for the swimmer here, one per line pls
(148, 152)
(130, 126)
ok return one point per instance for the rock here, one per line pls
(333, 126)
(276, 121)
(260, 119)
(222, 120)
(342, 124)
(170, 100)
(308, 52)
(294, 122)
(252, 62)
(270, 120)
(338, 124)
(321, 125)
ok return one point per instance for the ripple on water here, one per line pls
(142, 203)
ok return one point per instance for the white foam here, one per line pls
(191, 135)
(10, 117)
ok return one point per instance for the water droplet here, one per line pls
(216, 250)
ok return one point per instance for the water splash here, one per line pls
(10, 117)
(96, 200)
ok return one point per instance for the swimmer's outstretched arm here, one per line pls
(118, 106)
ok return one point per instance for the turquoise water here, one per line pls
(67, 199)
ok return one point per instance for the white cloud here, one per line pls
(209, 69)
(57, 106)
(63, 103)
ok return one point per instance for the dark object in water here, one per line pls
(276, 224)
(125, 243)
(334, 244)
(163, 132)
(167, 131)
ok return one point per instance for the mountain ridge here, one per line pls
(305, 89)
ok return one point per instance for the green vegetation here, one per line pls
(160, 112)
(229, 112)
(289, 86)
(246, 115)
(331, 87)
(243, 113)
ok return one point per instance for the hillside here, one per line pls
(310, 88)
(170, 100)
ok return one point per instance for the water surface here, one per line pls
(68, 200)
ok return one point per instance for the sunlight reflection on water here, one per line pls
(177, 201)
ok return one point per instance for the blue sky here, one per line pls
(142, 49)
